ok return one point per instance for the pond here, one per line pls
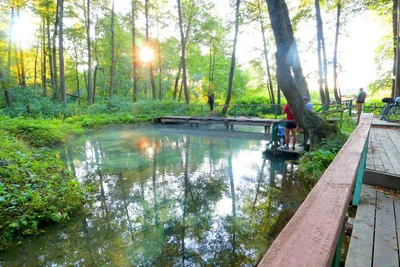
(168, 196)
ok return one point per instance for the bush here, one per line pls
(35, 188)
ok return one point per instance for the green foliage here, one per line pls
(315, 162)
(35, 188)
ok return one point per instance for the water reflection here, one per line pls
(163, 198)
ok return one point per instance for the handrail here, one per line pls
(313, 236)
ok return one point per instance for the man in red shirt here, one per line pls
(290, 126)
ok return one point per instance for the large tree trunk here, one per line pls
(7, 94)
(271, 88)
(89, 78)
(17, 64)
(322, 43)
(314, 126)
(320, 76)
(134, 53)
(233, 60)
(55, 82)
(112, 67)
(21, 56)
(153, 84)
(44, 52)
(185, 87)
(61, 54)
(335, 75)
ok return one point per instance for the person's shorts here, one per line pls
(291, 125)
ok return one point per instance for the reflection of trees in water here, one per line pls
(158, 200)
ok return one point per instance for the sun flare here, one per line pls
(146, 54)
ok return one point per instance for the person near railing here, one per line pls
(308, 103)
(360, 99)
(290, 126)
(211, 103)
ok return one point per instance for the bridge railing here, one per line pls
(314, 234)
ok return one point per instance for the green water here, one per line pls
(168, 196)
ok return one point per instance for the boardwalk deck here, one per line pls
(383, 158)
(375, 240)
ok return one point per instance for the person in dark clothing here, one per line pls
(211, 103)
(360, 100)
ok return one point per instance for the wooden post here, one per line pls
(360, 174)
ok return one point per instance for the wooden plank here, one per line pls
(376, 154)
(310, 237)
(394, 135)
(385, 247)
(362, 238)
(390, 150)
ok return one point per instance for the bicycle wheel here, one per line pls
(393, 113)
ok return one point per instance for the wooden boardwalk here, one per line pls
(384, 150)
(375, 238)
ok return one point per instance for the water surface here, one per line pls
(168, 196)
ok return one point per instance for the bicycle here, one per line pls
(391, 111)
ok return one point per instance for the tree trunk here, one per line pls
(271, 88)
(55, 82)
(44, 68)
(61, 54)
(233, 59)
(159, 70)
(21, 56)
(314, 126)
(177, 79)
(50, 53)
(112, 67)
(134, 53)
(319, 50)
(396, 61)
(17, 64)
(335, 75)
(153, 84)
(36, 61)
(89, 78)
(8, 78)
(185, 88)
(76, 71)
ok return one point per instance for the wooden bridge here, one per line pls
(228, 122)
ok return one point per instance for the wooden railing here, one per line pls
(313, 236)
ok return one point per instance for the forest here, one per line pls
(70, 66)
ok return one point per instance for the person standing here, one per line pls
(308, 103)
(290, 126)
(211, 103)
(360, 99)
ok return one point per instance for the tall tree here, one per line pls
(336, 90)
(112, 67)
(153, 84)
(271, 88)
(324, 59)
(8, 78)
(321, 58)
(396, 60)
(54, 54)
(53, 81)
(61, 53)
(183, 56)
(86, 9)
(21, 58)
(314, 126)
(233, 60)
(44, 54)
(134, 53)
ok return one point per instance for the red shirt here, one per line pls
(289, 115)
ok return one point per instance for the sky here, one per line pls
(356, 47)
